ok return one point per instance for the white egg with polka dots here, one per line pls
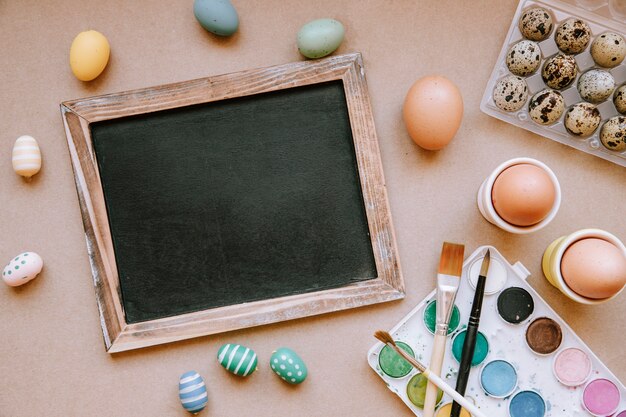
(288, 366)
(22, 268)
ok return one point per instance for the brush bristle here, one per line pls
(384, 337)
(451, 261)
(484, 268)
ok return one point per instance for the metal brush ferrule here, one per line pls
(473, 321)
(447, 286)
(441, 329)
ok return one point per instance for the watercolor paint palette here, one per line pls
(528, 361)
(600, 19)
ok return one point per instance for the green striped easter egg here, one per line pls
(237, 359)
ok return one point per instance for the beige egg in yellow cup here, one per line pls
(588, 266)
(522, 195)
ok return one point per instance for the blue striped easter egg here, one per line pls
(192, 392)
(237, 359)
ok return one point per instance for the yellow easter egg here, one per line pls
(89, 55)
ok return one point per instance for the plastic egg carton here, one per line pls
(506, 342)
(601, 18)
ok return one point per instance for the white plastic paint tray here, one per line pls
(506, 341)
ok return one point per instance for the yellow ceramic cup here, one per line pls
(551, 262)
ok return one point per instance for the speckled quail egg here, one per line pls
(536, 24)
(608, 50)
(619, 99)
(510, 93)
(613, 134)
(546, 107)
(572, 36)
(559, 71)
(595, 85)
(523, 58)
(582, 119)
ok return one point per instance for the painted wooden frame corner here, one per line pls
(119, 335)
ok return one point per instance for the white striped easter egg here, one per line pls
(192, 392)
(26, 156)
(237, 359)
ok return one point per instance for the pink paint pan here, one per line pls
(601, 397)
(572, 367)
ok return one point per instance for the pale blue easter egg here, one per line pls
(192, 392)
(320, 37)
(216, 16)
(288, 366)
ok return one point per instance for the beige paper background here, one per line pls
(52, 359)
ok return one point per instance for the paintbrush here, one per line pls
(469, 344)
(436, 380)
(448, 279)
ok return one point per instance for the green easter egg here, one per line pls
(288, 366)
(320, 37)
(416, 390)
(393, 364)
(237, 359)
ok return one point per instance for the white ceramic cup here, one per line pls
(552, 257)
(485, 202)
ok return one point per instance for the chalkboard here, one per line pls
(232, 201)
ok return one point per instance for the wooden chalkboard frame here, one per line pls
(120, 335)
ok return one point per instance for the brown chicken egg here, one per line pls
(523, 195)
(433, 109)
(594, 268)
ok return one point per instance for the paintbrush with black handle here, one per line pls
(469, 344)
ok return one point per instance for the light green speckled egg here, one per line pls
(288, 366)
(320, 37)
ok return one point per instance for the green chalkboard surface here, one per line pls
(234, 201)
